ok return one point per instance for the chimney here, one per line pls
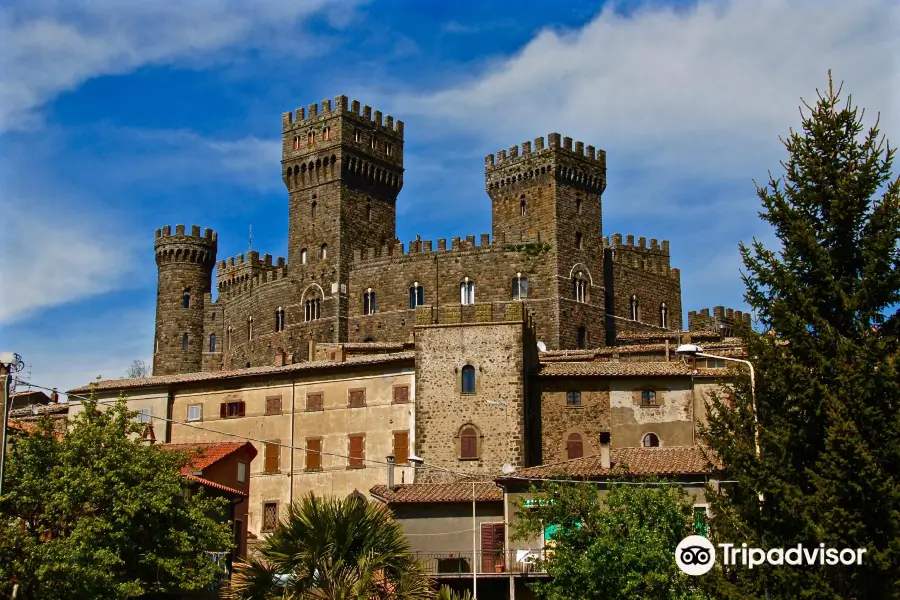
(279, 358)
(312, 351)
(54, 396)
(390, 471)
(604, 449)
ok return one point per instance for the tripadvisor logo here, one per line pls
(695, 555)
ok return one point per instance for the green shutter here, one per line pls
(701, 526)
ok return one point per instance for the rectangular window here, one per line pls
(273, 456)
(401, 394)
(714, 363)
(357, 451)
(195, 412)
(315, 401)
(492, 538)
(143, 415)
(401, 447)
(229, 410)
(701, 524)
(270, 516)
(242, 472)
(573, 398)
(313, 454)
(648, 398)
(273, 405)
(357, 398)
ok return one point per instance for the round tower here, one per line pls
(185, 263)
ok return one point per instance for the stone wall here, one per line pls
(725, 321)
(559, 421)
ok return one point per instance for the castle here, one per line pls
(348, 279)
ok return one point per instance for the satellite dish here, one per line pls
(542, 347)
(508, 469)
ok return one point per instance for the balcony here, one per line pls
(494, 564)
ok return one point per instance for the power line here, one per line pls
(261, 441)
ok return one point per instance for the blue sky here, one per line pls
(117, 117)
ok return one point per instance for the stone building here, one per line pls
(348, 279)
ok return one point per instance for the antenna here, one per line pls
(250, 239)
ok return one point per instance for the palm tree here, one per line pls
(445, 593)
(333, 549)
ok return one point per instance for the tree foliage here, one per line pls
(137, 370)
(828, 391)
(98, 514)
(333, 549)
(617, 546)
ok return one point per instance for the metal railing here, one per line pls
(515, 562)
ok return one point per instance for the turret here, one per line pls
(184, 263)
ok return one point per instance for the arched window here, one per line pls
(303, 257)
(651, 440)
(523, 205)
(467, 291)
(213, 316)
(416, 295)
(648, 398)
(368, 212)
(582, 337)
(249, 328)
(279, 319)
(184, 342)
(369, 307)
(186, 298)
(520, 287)
(635, 308)
(311, 139)
(574, 446)
(313, 209)
(468, 379)
(663, 315)
(323, 254)
(212, 342)
(468, 442)
(578, 205)
(228, 337)
(313, 309)
(357, 136)
(156, 346)
(580, 287)
(389, 149)
(326, 133)
(578, 240)
(296, 142)
(372, 143)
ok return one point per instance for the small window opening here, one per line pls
(468, 379)
(650, 441)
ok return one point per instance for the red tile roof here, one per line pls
(215, 485)
(458, 491)
(623, 369)
(162, 380)
(666, 461)
(205, 454)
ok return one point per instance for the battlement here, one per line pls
(237, 271)
(319, 112)
(164, 235)
(656, 247)
(725, 320)
(481, 312)
(652, 259)
(554, 142)
(420, 247)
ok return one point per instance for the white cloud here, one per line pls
(51, 46)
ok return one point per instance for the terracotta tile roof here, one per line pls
(215, 485)
(662, 335)
(622, 369)
(356, 346)
(673, 460)
(205, 454)
(39, 409)
(458, 491)
(161, 380)
(17, 425)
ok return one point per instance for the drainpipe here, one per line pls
(291, 476)
(390, 472)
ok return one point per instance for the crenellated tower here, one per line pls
(551, 194)
(184, 263)
(343, 169)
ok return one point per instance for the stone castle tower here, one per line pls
(348, 279)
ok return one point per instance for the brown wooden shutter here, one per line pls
(273, 456)
(575, 446)
(313, 456)
(357, 398)
(357, 451)
(401, 447)
(273, 405)
(242, 408)
(223, 410)
(468, 443)
(492, 538)
(314, 401)
(401, 394)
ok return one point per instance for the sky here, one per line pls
(118, 117)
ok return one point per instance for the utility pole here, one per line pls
(9, 362)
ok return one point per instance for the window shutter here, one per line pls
(401, 394)
(273, 405)
(242, 408)
(401, 447)
(313, 456)
(357, 398)
(273, 455)
(314, 401)
(223, 410)
(357, 451)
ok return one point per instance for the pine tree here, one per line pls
(828, 388)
